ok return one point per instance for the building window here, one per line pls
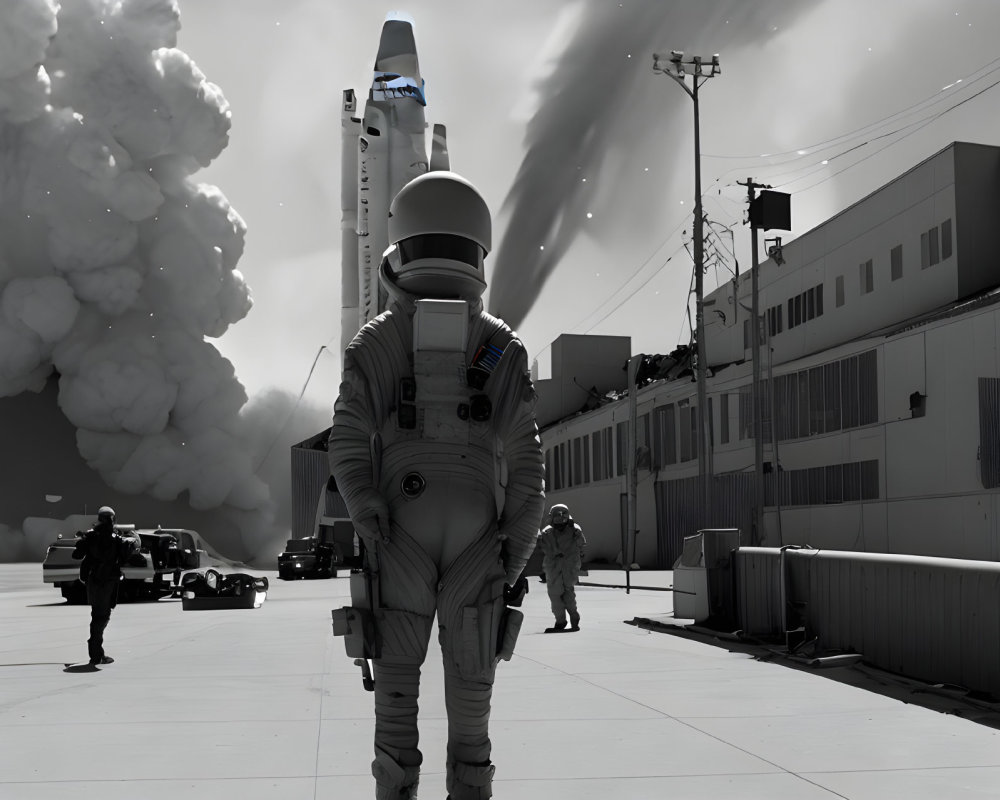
(798, 309)
(867, 274)
(688, 430)
(989, 440)
(577, 477)
(867, 388)
(664, 436)
(621, 434)
(609, 452)
(642, 438)
(896, 262)
(791, 313)
(929, 252)
(819, 300)
(746, 412)
(946, 239)
(602, 452)
(836, 396)
(595, 449)
(831, 396)
(778, 309)
(840, 291)
(724, 416)
(811, 304)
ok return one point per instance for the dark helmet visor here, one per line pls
(441, 245)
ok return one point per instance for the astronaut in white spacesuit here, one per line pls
(435, 450)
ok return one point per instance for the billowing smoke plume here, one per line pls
(114, 263)
(591, 115)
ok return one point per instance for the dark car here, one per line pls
(309, 557)
(215, 589)
(150, 574)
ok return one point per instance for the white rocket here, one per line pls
(381, 153)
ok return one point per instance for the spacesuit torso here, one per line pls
(441, 402)
(562, 549)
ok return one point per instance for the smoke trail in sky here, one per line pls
(114, 263)
(591, 114)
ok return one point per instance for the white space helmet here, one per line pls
(559, 514)
(440, 229)
(106, 512)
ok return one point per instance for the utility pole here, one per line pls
(755, 403)
(678, 67)
(628, 539)
(769, 210)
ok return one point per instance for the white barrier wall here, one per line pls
(933, 619)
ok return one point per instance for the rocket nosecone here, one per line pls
(382, 152)
(397, 70)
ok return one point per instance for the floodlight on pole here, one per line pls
(678, 67)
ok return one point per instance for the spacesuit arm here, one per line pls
(350, 452)
(524, 495)
(546, 544)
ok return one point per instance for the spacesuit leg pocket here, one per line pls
(476, 653)
(357, 626)
(510, 627)
(356, 623)
(469, 654)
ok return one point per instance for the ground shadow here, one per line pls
(85, 667)
(943, 698)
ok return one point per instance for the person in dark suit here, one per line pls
(102, 551)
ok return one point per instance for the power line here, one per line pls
(986, 69)
(293, 409)
(910, 128)
(905, 136)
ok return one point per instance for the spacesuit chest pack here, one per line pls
(446, 402)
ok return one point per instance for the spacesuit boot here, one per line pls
(392, 780)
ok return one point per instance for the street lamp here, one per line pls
(678, 67)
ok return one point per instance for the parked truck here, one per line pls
(154, 572)
(332, 546)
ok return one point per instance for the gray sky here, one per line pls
(795, 74)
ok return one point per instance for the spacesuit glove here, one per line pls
(372, 520)
(513, 594)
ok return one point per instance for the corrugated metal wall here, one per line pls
(758, 591)
(677, 515)
(310, 471)
(933, 619)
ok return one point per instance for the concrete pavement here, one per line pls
(263, 703)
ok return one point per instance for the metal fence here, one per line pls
(933, 619)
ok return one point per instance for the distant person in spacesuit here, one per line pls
(435, 450)
(562, 543)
